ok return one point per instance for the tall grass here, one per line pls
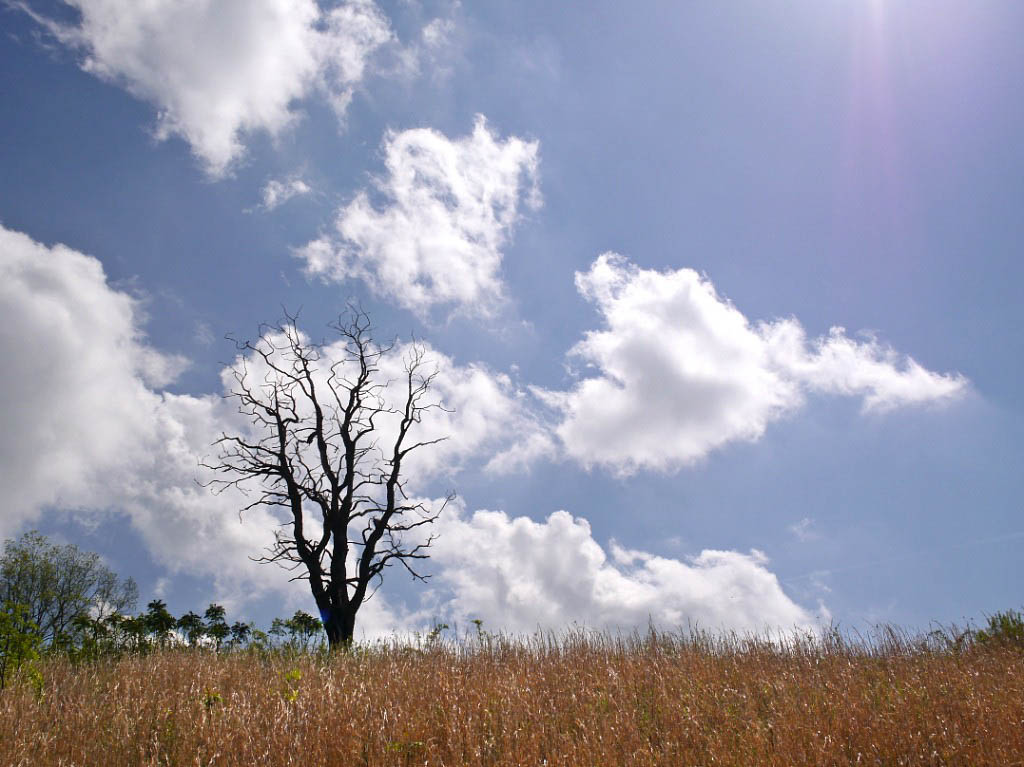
(579, 699)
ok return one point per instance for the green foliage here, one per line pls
(1004, 629)
(20, 643)
(58, 585)
(211, 698)
(260, 641)
(216, 627)
(192, 624)
(408, 749)
(158, 621)
(291, 685)
(59, 599)
(434, 635)
(94, 639)
(482, 636)
(240, 634)
(110, 636)
(117, 634)
(301, 630)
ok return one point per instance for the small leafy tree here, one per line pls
(260, 640)
(132, 632)
(240, 633)
(303, 627)
(192, 625)
(159, 622)
(216, 626)
(300, 630)
(94, 638)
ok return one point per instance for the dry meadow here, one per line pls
(576, 700)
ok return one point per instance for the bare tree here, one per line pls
(328, 441)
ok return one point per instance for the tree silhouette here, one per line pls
(216, 627)
(193, 627)
(240, 633)
(328, 441)
(158, 621)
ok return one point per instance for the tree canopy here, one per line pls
(59, 584)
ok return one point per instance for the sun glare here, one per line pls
(877, 11)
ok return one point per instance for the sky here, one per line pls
(724, 298)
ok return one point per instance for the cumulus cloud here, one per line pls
(481, 418)
(485, 420)
(74, 376)
(449, 207)
(678, 371)
(276, 192)
(219, 71)
(88, 428)
(521, 575)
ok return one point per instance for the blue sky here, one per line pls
(727, 294)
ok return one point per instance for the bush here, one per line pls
(1004, 629)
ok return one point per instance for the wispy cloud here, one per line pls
(203, 334)
(804, 530)
(277, 192)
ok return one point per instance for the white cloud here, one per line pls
(277, 192)
(434, 51)
(485, 421)
(219, 71)
(482, 421)
(438, 32)
(838, 364)
(481, 416)
(74, 376)
(519, 575)
(679, 371)
(353, 31)
(87, 428)
(451, 206)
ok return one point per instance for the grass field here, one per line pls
(578, 700)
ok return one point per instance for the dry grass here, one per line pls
(575, 701)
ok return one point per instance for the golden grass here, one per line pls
(578, 700)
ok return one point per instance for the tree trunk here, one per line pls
(340, 625)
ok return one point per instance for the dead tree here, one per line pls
(328, 440)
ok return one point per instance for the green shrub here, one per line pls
(1004, 629)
